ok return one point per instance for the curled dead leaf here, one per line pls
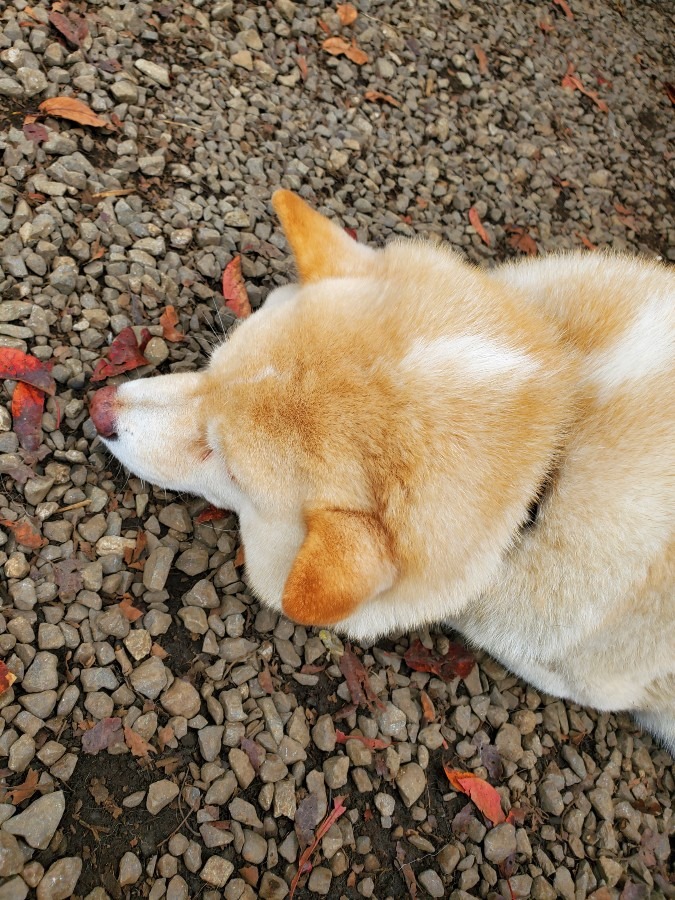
(481, 56)
(7, 678)
(478, 226)
(234, 289)
(168, 320)
(73, 109)
(338, 46)
(374, 96)
(347, 13)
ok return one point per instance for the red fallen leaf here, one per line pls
(25, 533)
(572, 82)
(357, 680)
(23, 791)
(481, 793)
(371, 743)
(520, 240)
(158, 651)
(352, 233)
(27, 408)
(302, 65)
(239, 557)
(136, 744)
(73, 28)
(670, 91)
(234, 289)
(35, 132)
(210, 514)
(20, 366)
(585, 241)
(481, 56)
(474, 218)
(546, 27)
(347, 13)
(564, 6)
(428, 709)
(128, 609)
(123, 354)
(457, 661)
(7, 678)
(406, 870)
(253, 751)
(168, 320)
(106, 732)
(305, 865)
(322, 25)
(374, 96)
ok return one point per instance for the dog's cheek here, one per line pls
(341, 564)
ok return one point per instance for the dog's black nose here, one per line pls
(102, 411)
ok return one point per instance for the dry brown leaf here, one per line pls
(302, 65)
(136, 744)
(165, 736)
(572, 82)
(73, 109)
(374, 96)
(428, 709)
(474, 218)
(585, 241)
(481, 56)
(7, 678)
(347, 13)
(168, 320)
(128, 610)
(522, 241)
(338, 46)
(158, 651)
(73, 27)
(358, 56)
(564, 6)
(24, 791)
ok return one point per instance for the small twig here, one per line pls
(77, 505)
(183, 125)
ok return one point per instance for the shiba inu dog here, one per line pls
(409, 440)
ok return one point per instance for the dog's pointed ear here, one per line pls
(321, 248)
(342, 562)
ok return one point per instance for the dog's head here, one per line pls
(378, 428)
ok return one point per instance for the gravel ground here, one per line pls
(165, 735)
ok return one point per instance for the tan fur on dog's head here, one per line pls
(349, 407)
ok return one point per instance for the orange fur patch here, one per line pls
(342, 563)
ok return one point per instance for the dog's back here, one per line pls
(593, 581)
